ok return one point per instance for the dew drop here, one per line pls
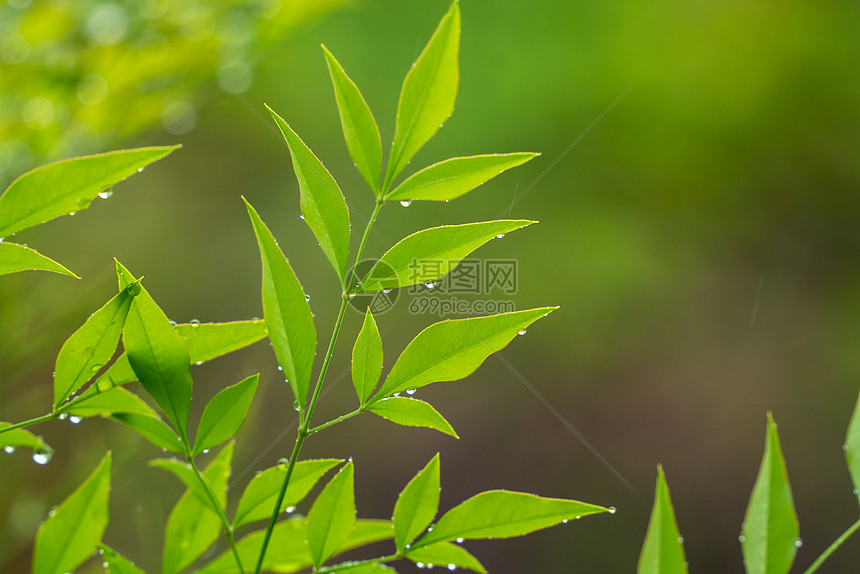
(302, 217)
(63, 416)
(521, 333)
(798, 543)
(420, 564)
(680, 540)
(460, 540)
(73, 212)
(95, 368)
(172, 323)
(612, 510)
(308, 298)
(845, 447)
(198, 363)
(139, 170)
(9, 449)
(75, 420)
(296, 406)
(410, 391)
(500, 235)
(42, 456)
(396, 395)
(564, 521)
(406, 203)
(205, 451)
(290, 509)
(386, 291)
(430, 285)
(283, 461)
(855, 492)
(452, 567)
(194, 323)
(106, 193)
(741, 538)
(280, 368)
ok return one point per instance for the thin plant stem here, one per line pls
(833, 547)
(333, 422)
(228, 528)
(336, 567)
(29, 422)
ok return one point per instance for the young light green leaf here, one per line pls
(91, 346)
(430, 254)
(447, 555)
(663, 550)
(118, 374)
(332, 516)
(11, 440)
(116, 400)
(224, 414)
(769, 535)
(287, 313)
(184, 472)
(323, 206)
(116, 562)
(207, 341)
(504, 514)
(15, 258)
(68, 186)
(417, 504)
(262, 492)
(428, 93)
(452, 349)
(152, 429)
(192, 526)
(457, 176)
(359, 127)
(367, 359)
(411, 413)
(73, 531)
(852, 448)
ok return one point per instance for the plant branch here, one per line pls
(333, 422)
(833, 547)
(29, 422)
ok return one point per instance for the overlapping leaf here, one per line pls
(15, 258)
(662, 551)
(367, 359)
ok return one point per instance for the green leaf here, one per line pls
(15, 258)
(452, 349)
(90, 347)
(359, 128)
(207, 341)
(117, 563)
(417, 504)
(224, 414)
(11, 440)
(663, 550)
(323, 206)
(68, 186)
(367, 359)
(445, 554)
(504, 514)
(118, 374)
(116, 400)
(332, 516)
(193, 526)
(428, 93)
(184, 472)
(852, 448)
(152, 429)
(159, 359)
(412, 413)
(368, 568)
(431, 254)
(769, 535)
(288, 315)
(73, 531)
(457, 176)
(262, 492)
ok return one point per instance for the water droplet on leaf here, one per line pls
(500, 235)
(75, 419)
(42, 456)
(106, 193)
(9, 449)
(194, 323)
(611, 510)
(522, 332)
(406, 203)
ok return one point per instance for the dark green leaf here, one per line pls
(417, 504)
(453, 349)
(288, 315)
(224, 414)
(445, 555)
(504, 514)
(428, 255)
(411, 413)
(116, 400)
(769, 535)
(207, 341)
(663, 550)
(117, 563)
(332, 516)
(262, 492)
(428, 93)
(68, 186)
(15, 258)
(367, 359)
(152, 429)
(359, 128)
(457, 176)
(852, 448)
(323, 206)
(90, 347)
(73, 531)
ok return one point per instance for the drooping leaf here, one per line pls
(359, 127)
(15, 258)
(412, 413)
(207, 341)
(323, 206)
(457, 176)
(367, 359)
(261, 493)
(852, 448)
(287, 313)
(428, 93)
(663, 550)
(73, 531)
(431, 254)
(332, 516)
(153, 429)
(770, 532)
(445, 555)
(504, 514)
(116, 400)
(117, 563)
(11, 440)
(91, 346)
(417, 504)
(68, 186)
(453, 349)
(192, 526)
(159, 358)
(224, 414)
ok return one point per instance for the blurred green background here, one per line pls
(702, 239)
